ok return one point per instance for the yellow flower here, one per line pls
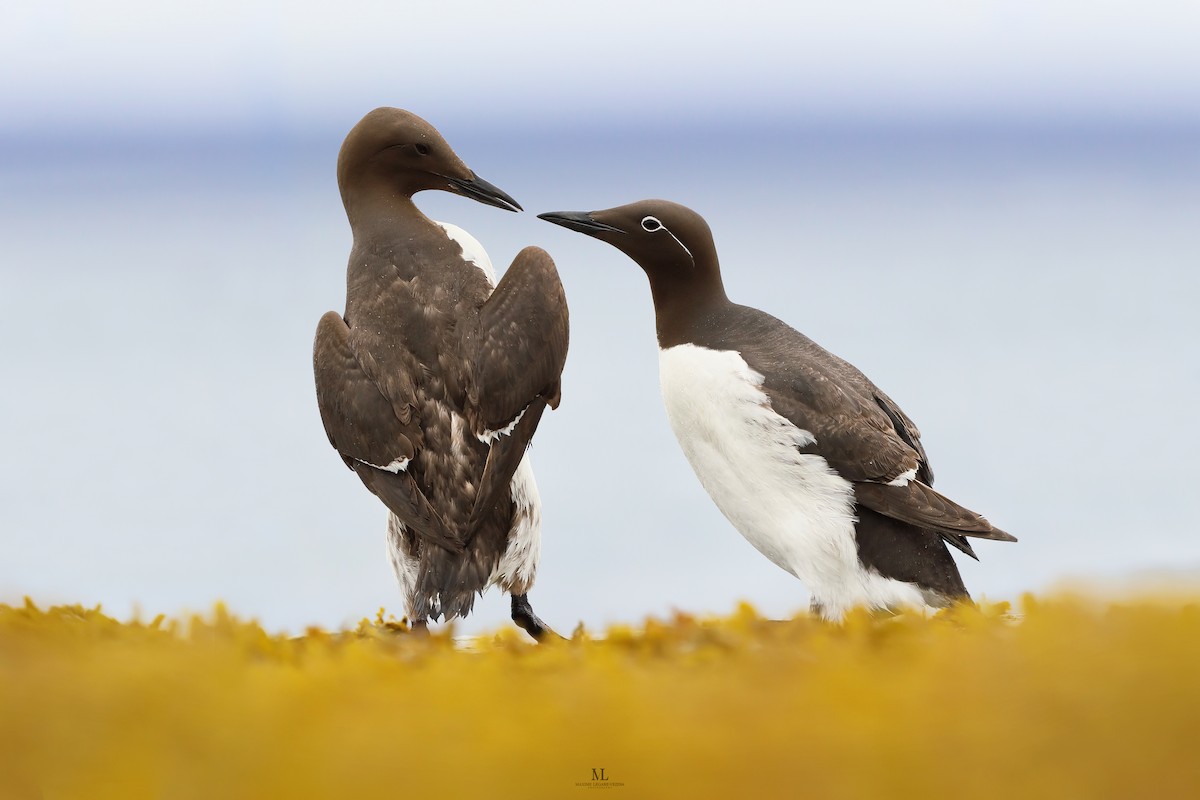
(1068, 697)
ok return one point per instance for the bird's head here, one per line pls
(395, 153)
(670, 242)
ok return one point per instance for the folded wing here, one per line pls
(375, 434)
(872, 443)
(517, 353)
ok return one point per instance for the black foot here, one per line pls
(522, 614)
(419, 627)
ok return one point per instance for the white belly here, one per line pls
(789, 505)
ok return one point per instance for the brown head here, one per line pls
(670, 242)
(392, 154)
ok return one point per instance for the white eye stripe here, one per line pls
(654, 225)
(681, 244)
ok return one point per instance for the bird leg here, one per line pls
(522, 614)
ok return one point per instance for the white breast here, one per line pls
(791, 506)
(472, 250)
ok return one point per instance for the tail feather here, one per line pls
(920, 505)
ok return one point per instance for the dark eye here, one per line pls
(651, 224)
(422, 149)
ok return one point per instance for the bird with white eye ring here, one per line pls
(808, 459)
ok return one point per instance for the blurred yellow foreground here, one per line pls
(1066, 698)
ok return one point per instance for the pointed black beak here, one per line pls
(578, 221)
(478, 189)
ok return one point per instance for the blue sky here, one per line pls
(124, 66)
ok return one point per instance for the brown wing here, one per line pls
(853, 434)
(373, 434)
(907, 430)
(522, 343)
(860, 431)
(518, 354)
(872, 443)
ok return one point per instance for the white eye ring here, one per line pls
(651, 224)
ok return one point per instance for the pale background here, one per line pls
(992, 208)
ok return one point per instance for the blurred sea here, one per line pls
(1029, 295)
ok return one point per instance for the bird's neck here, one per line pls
(377, 213)
(680, 302)
(388, 233)
(392, 229)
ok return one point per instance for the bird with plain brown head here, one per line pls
(433, 381)
(810, 461)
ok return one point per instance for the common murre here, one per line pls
(819, 469)
(432, 383)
